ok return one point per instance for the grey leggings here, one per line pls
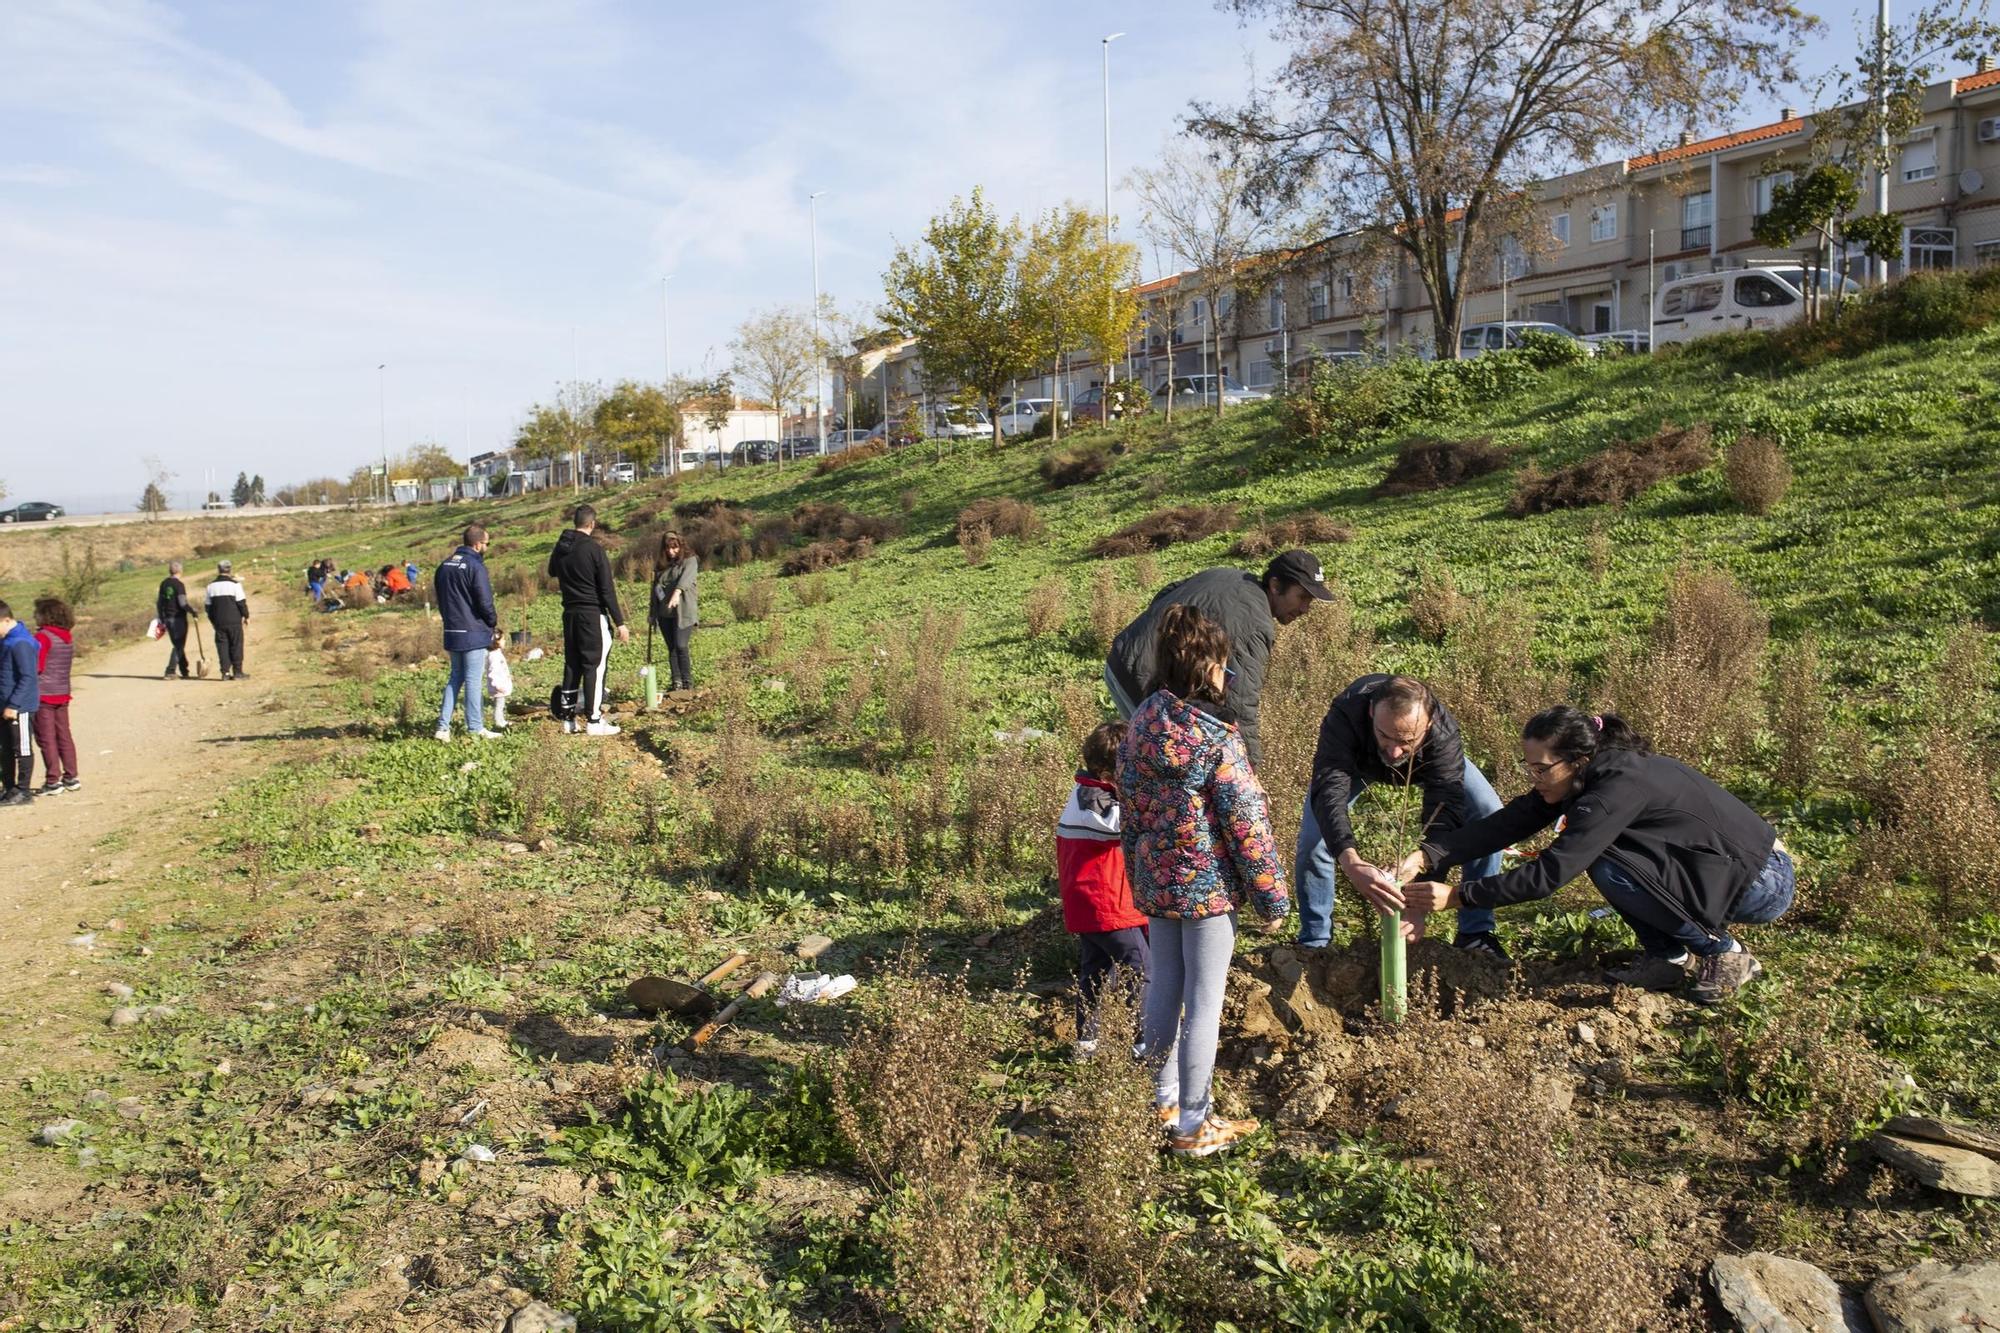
(1184, 1010)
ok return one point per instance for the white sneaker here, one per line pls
(603, 729)
(444, 735)
(484, 735)
(569, 726)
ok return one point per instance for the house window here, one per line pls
(1316, 299)
(1513, 263)
(1347, 286)
(1929, 248)
(1697, 220)
(1764, 191)
(1200, 311)
(1257, 374)
(1559, 228)
(1986, 252)
(1277, 309)
(1604, 223)
(1920, 159)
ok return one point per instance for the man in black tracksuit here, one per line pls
(590, 616)
(170, 604)
(229, 617)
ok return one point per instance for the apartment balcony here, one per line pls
(1696, 238)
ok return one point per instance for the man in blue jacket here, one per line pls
(20, 696)
(465, 600)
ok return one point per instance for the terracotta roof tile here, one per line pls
(1973, 83)
(1720, 144)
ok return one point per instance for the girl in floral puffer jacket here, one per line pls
(1197, 844)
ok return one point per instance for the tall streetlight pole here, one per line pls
(1110, 363)
(819, 381)
(673, 458)
(1882, 126)
(382, 406)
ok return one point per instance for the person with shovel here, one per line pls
(464, 595)
(675, 608)
(591, 615)
(1672, 852)
(170, 605)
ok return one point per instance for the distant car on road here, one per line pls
(622, 474)
(1478, 339)
(34, 511)
(755, 451)
(1202, 389)
(1022, 415)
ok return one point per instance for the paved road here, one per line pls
(170, 516)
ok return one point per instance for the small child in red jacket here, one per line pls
(1096, 896)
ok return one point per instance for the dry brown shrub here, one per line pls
(1927, 857)
(1166, 527)
(805, 677)
(1073, 467)
(773, 646)
(1492, 684)
(718, 534)
(1111, 608)
(1046, 607)
(924, 698)
(812, 591)
(827, 521)
(921, 817)
(976, 542)
(855, 693)
(1958, 694)
(404, 640)
(1800, 717)
(740, 808)
(749, 601)
(1435, 603)
(772, 534)
(1314, 659)
(1002, 516)
(998, 825)
(1693, 688)
(1145, 574)
(1077, 711)
(821, 556)
(522, 582)
(1424, 464)
(906, 499)
(1618, 474)
(1597, 550)
(848, 457)
(1758, 472)
(1287, 533)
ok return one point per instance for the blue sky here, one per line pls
(217, 219)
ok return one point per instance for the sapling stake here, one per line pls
(1395, 953)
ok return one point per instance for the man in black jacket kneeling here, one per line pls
(590, 616)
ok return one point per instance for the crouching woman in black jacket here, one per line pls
(1677, 856)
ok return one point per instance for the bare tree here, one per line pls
(1423, 124)
(1195, 207)
(776, 353)
(153, 500)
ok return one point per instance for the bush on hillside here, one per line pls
(1073, 467)
(1046, 607)
(1346, 406)
(976, 542)
(1435, 603)
(1492, 683)
(848, 457)
(1287, 533)
(828, 520)
(1618, 474)
(1546, 351)
(1693, 687)
(1001, 516)
(1166, 527)
(718, 534)
(1426, 464)
(816, 557)
(1758, 473)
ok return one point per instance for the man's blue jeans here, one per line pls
(468, 677)
(1317, 873)
(1663, 935)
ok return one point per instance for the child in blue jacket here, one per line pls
(20, 696)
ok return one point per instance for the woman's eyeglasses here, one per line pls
(1536, 772)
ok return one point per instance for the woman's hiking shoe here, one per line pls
(1718, 977)
(1215, 1135)
(1650, 973)
(1482, 942)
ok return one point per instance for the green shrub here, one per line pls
(1546, 351)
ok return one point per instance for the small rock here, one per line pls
(985, 941)
(145, 951)
(478, 1154)
(430, 1171)
(115, 924)
(1937, 1298)
(265, 1006)
(515, 848)
(1767, 1293)
(1988, 962)
(118, 990)
(96, 1097)
(87, 940)
(545, 845)
(992, 1080)
(161, 1011)
(1932, 1130)
(812, 946)
(223, 1069)
(1940, 1166)
(469, 766)
(124, 1016)
(535, 1317)
(1586, 1034)
(1476, 1042)
(57, 1131)
(130, 1108)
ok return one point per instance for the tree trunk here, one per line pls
(1055, 403)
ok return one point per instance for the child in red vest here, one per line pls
(54, 652)
(1096, 897)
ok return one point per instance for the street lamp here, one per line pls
(382, 404)
(672, 459)
(819, 384)
(1110, 366)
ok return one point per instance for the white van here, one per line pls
(1750, 298)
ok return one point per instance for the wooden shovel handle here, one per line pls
(722, 969)
(755, 991)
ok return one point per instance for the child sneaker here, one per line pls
(52, 789)
(484, 735)
(1215, 1135)
(72, 784)
(442, 734)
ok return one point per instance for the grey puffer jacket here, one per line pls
(681, 577)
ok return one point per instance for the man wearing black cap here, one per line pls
(1248, 608)
(229, 617)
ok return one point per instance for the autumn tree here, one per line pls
(1079, 288)
(1424, 124)
(426, 460)
(638, 421)
(959, 293)
(775, 352)
(1195, 207)
(567, 424)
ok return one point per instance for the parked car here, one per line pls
(1731, 301)
(754, 451)
(957, 423)
(1202, 389)
(1021, 415)
(34, 511)
(1478, 339)
(621, 474)
(801, 446)
(836, 440)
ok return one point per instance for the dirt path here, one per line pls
(148, 750)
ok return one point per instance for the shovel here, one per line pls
(756, 990)
(201, 654)
(648, 682)
(658, 995)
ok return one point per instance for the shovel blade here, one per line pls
(664, 995)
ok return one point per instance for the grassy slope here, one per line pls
(1884, 539)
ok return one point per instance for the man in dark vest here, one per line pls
(170, 605)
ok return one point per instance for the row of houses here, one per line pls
(1604, 238)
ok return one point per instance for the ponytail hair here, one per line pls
(1186, 651)
(1572, 734)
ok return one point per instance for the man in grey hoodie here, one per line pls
(1248, 608)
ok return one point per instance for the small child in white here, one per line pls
(499, 683)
